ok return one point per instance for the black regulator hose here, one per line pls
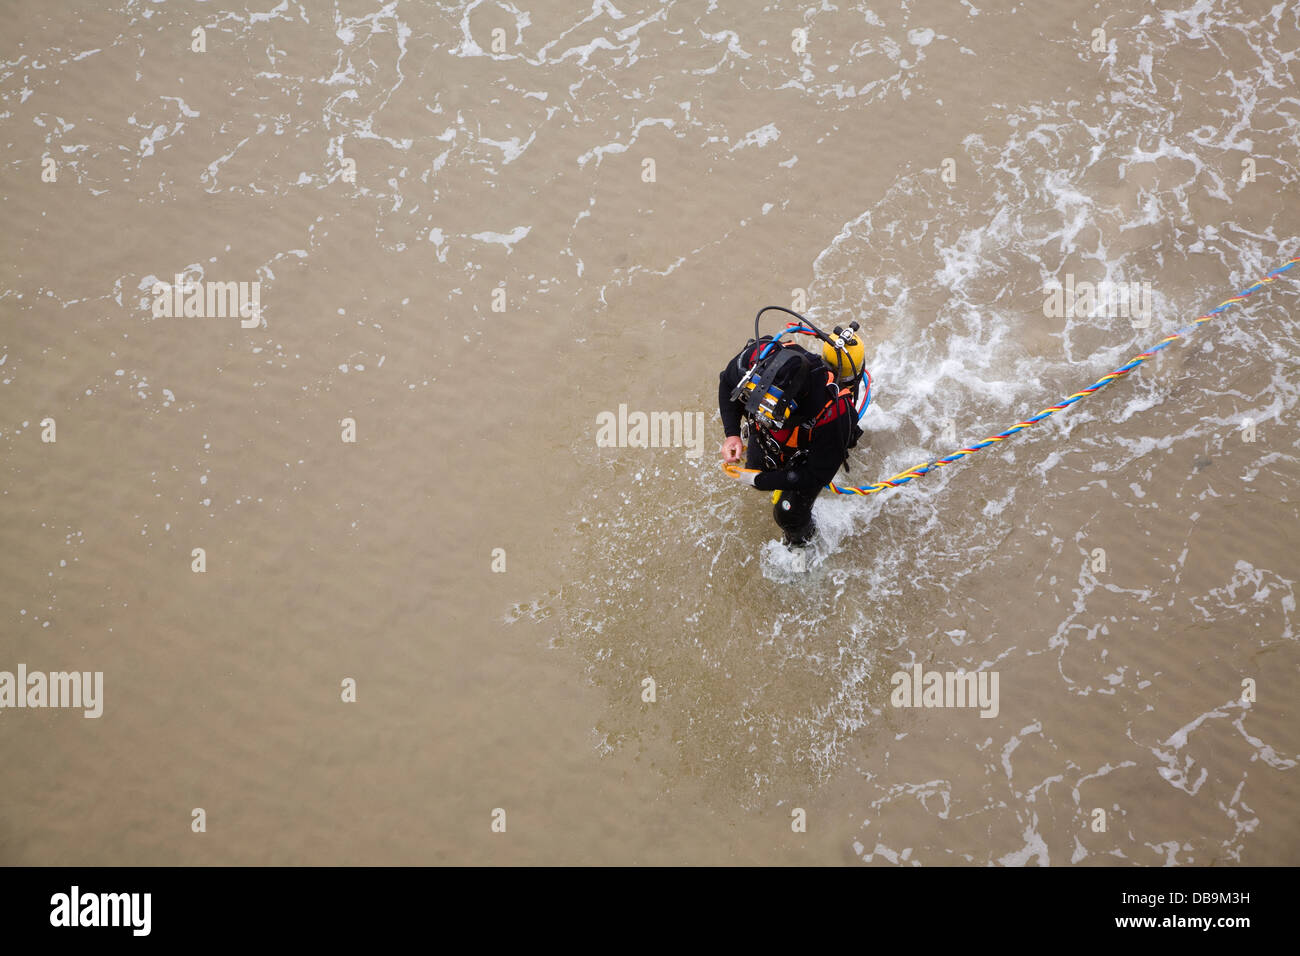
(816, 331)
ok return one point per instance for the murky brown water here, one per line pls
(521, 167)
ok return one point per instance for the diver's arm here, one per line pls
(728, 379)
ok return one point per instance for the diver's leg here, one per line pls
(793, 512)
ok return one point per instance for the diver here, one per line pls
(801, 415)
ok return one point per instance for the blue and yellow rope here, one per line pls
(903, 478)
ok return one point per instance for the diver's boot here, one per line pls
(799, 539)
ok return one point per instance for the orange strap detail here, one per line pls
(844, 394)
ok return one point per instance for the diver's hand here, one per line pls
(732, 449)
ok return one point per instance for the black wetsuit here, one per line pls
(800, 474)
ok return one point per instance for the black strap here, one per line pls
(773, 367)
